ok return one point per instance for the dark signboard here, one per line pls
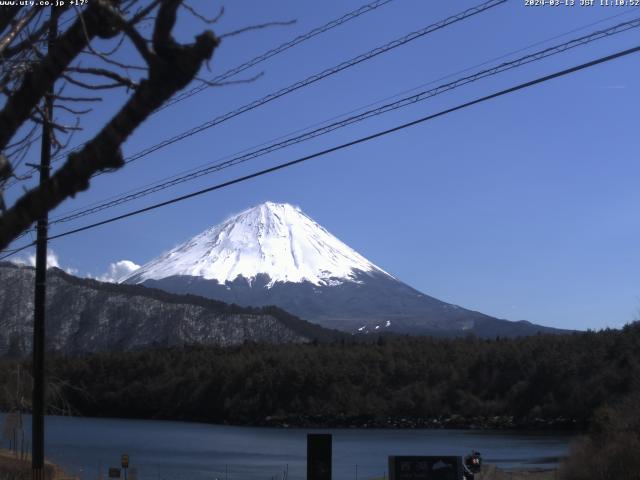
(425, 468)
(114, 472)
(319, 456)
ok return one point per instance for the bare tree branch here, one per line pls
(16, 29)
(7, 14)
(171, 67)
(37, 35)
(92, 86)
(144, 12)
(117, 46)
(138, 41)
(115, 63)
(77, 99)
(5, 168)
(39, 80)
(101, 72)
(73, 111)
(23, 140)
(198, 15)
(62, 146)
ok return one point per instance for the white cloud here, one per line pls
(117, 270)
(52, 261)
(18, 261)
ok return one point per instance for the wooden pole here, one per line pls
(39, 394)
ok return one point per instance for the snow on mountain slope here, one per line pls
(272, 238)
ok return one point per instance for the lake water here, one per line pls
(177, 450)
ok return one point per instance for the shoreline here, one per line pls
(450, 422)
(16, 467)
(445, 422)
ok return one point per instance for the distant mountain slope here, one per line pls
(274, 254)
(372, 304)
(85, 315)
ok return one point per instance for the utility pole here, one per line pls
(39, 394)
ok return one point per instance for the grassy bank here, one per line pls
(489, 472)
(12, 467)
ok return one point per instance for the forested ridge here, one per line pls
(542, 380)
(87, 316)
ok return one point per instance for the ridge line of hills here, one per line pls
(86, 315)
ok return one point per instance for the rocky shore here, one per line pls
(447, 421)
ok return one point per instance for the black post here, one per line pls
(319, 456)
(37, 429)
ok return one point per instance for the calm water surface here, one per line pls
(177, 450)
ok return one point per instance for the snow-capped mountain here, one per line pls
(274, 239)
(274, 254)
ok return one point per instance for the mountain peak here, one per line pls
(276, 239)
(275, 206)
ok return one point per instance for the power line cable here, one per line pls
(486, 62)
(317, 77)
(342, 146)
(404, 102)
(275, 51)
(336, 117)
(254, 61)
(13, 251)
(314, 78)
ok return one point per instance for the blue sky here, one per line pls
(524, 207)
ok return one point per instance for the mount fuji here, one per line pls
(274, 254)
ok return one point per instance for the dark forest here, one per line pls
(540, 381)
